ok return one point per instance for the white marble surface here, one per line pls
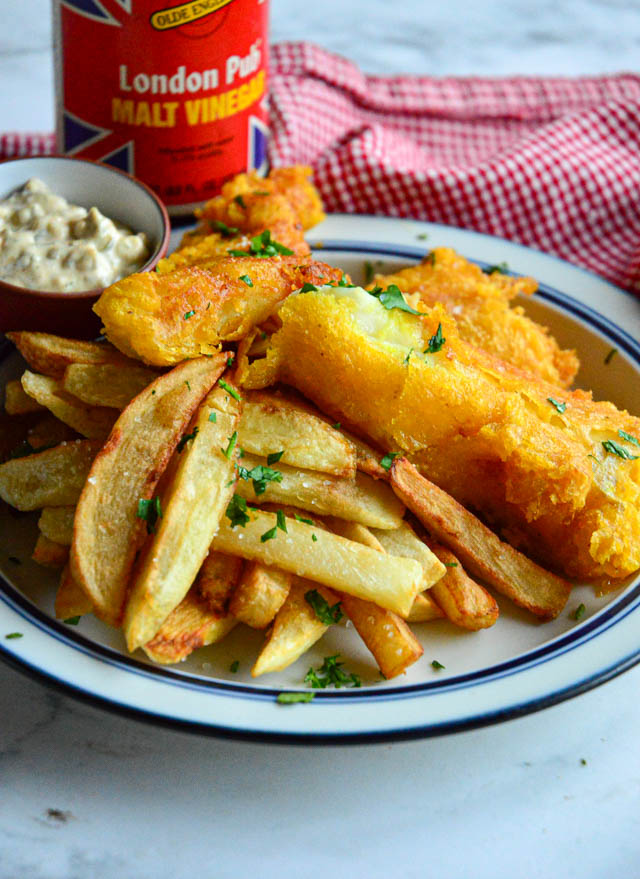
(87, 794)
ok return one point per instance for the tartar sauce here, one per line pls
(48, 244)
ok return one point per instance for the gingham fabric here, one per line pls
(553, 163)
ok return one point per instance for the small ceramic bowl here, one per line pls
(119, 197)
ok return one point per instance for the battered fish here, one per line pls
(556, 471)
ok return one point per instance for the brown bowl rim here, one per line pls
(151, 263)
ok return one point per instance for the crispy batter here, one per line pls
(482, 431)
(480, 305)
(163, 319)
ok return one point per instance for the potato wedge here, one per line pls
(71, 601)
(50, 554)
(405, 542)
(56, 523)
(51, 355)
(106, 384)
(189, 626)
(17, 401)
(270, 423)
(354, 531)
(108, 531)
(53, 478)
(341, 564)
(259, 595)
(466, 603)
(94, 422)
(479, 549)
(424, 609)
(193, 504)
(48, 431)
(217, 579)
(296, 628)
(360, 500)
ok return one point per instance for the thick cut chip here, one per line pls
(405, 542)
(259, 595)
(53, 478)
(71, 601)
(424, 609)
(106, 384)
(296, 628)
(94, 422)
(362, 499)
(48, 431)
(108, 530)
(327, 558)
(272, 424)
(466, 603)
(193, 502)
(480, 550)
(217, 579)
(17, 401)
(49, 553)
(354, 531)
(56, 523)
(189, 626)
(51, 355)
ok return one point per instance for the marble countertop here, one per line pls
(88, 794)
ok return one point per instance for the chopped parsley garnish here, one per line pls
(150, 511)
(430, 257)
(308, 288)
(610, 356)
(331, 674)
(451, 564)
(560, 407)
(213, 417)
(263, 246)
(188, 314)
(615, 448)
(263, 335)
(436, 665)
(236, 511)
(408, 357)
(336, 425)
(230, 390)
(500, 268)
(12, 635)
(387, 461)
(246, 279)
(583, 762)
(235, 665)
(261, 192)
(392, 298)
(326, 613)
(292, 698)
(628, 437)
(343, 282)
(579, 612)
(435, 342)
(240, 201)
(302, 519)
(72, 621)
(233, 439)
(260, 476)
(268, 535)
(188, 436)
(422, 236)
(368, 272)
(282, 522)
(188, 385)
(230, 359)
(274, 457)
(314, 538)
(223, 229)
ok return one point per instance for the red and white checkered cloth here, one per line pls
(553, 163)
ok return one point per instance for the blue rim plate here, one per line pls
(516, 667)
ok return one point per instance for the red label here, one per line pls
(175, 94)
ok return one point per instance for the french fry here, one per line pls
(341, 564)
(367, 458)
(71, 601)
(479, 549)
(56, 523)
(17, 401)
(50, 554)
(424, 609)
(106, 384)
(193, 504)
(465, 602)
(360, 500)
(354, 531)
(405, 542)
(189, 626)
(216, 580)
(296, 628)
(51, 355)
(108, 531)
(94, 422)
(259, 595)
(48, 431)
(270, 423)
(52, 478)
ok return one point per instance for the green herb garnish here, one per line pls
(274, 457)
(223, 229)
(579, 612)
(392, 298)
(331, 674)
(610, 356)
(326, 613)
(435, 342)
(314, 538)
(260, 476)
(292, 698)
(185, 439)
(268, 535)
(235, 665)
(615, 448)
(263, 246)
(240, 201)
(560, 407)
(405, 362)
(246, 279)
(422, 236)
(368, 272)
(213, 417)
(230, 390)
(230, 361)
(500, 268)
(436, 665)
(308, 288)
(629, 437)
(150, 511)
(72, 621)
(281, 521)
(236, 511)
(233, 439)
(451, 564)
(13, 635)
(387, 461)
(302, 519)
(336, 425)
(188, 314)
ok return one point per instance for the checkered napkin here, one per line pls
(553, 163)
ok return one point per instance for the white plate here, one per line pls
(516, 667)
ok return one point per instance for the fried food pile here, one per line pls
(262, 443)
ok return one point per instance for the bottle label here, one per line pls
(175, 94)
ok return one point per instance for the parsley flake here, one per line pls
(308, 288)
(292, 698)
(233, 439)
(261, 192)
(500, 268)
(230, 390)
(436, 665)
(560, 407)
(392, 298)
(236, 511)
(314, 538)
(281, 521)
(246, 279)
(260, 476)
(628, 437)
(150, 511)
(331, 674)
(610, 356)
(72, 621)
(579, 612)
(185, 439)
(268, 535)
(451, 564)
(213, 417)
(240, 201)
(430, 258)
(336, 425)
(368, 272)
(264, 246)
(387, 461)
(188, 314)
(235, 665)
(435, 342)
(274, 457)
(302, 519)
(326, 613)
(230, 360)
(615, 448)
(223, 229)
(13, 635)
(405, 362)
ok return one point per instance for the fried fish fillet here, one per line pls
(165, 318)
(480, 304)
(538, 462)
